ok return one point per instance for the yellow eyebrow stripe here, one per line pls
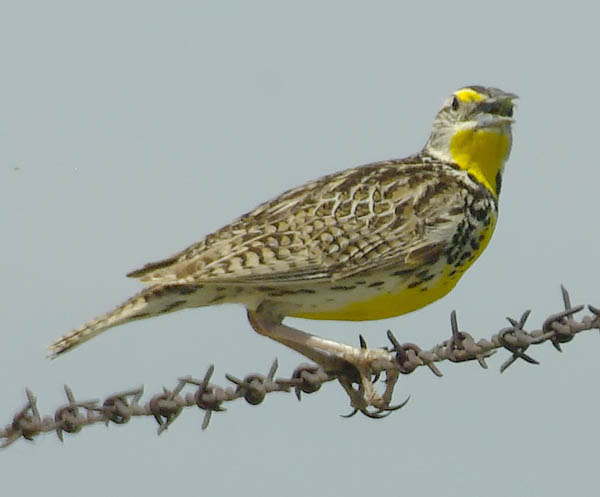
(469, 95)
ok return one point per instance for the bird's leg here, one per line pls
(350, 364)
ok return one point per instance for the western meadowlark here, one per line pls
(371, 242)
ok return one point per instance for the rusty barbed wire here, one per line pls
(119, 408)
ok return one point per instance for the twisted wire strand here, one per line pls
(119, 408)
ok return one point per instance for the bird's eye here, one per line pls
(455, 104)
(509, 112)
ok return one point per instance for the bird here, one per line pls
(366, 243)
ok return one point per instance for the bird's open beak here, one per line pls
(496, 111)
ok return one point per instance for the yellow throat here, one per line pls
(482, 153)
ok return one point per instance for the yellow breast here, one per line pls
(387, 305)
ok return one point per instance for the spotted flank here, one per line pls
(366, 243)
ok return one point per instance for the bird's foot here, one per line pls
(363, 370)
(358, 369)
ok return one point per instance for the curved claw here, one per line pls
(396, 407)
(379, 413)
(375, 415)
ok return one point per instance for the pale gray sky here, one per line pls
(131, 129)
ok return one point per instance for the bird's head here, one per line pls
(473, 130)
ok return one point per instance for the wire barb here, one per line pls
(165, 407)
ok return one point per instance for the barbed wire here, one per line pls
(119, 408)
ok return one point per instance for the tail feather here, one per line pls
(151, 301)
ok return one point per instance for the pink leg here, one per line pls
(351, 364)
